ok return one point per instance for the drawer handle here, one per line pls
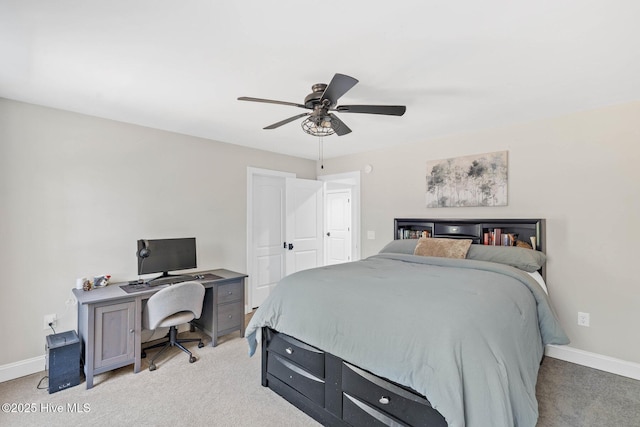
(230, 316)
(289, 350)
(230, 293)
(384, 400)
(131, 331)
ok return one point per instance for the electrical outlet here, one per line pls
(583, 319)
(49, 318)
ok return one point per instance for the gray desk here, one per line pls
(110, 320)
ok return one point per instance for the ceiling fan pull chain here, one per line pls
(321, 152)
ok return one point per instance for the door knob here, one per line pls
(328, 234)
(290, 246)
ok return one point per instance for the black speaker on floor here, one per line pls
(63, 360)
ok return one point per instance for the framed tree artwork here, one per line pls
(478, 180)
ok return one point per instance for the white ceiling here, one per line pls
(458, 66)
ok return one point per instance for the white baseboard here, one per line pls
(594, 360)
(22, 368)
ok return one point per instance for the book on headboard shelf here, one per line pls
(409, 233)
(498, 237)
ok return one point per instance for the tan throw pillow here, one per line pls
(446, 248)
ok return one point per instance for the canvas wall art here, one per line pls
(478, 180)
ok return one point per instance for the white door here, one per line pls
(304, 224)
(338, 237)
(342, 182)
(268, 222)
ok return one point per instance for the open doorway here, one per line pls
(342, 217)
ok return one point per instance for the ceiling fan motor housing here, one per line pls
(314, 97)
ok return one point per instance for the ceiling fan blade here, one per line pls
(338, 86)
(285, 121)
(340, 128)
(270, 101)
(388, 110)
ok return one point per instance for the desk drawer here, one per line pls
(296, 377)
(230, 292)
(230, 316)
(395, 401)
(308, 357)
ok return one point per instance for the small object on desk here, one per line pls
(100, 281)
(80, 282)
(209, 276)
(86, 286)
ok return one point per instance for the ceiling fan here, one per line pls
(322, 101)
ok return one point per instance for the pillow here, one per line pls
(540, 281)
(446, 248)
(524, 259)
(401, 246)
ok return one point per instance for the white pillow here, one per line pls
(540, 280)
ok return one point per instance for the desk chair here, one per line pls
(170, 307)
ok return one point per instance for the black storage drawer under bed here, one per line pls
(309, 358)
(405, 406)
(297, 378)
(357, 413)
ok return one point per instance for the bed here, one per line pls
(408, 338)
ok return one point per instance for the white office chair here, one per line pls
(170, 307)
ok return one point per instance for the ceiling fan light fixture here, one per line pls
(319, 126)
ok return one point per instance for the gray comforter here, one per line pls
(468, 335)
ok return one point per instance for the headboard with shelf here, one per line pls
(474, 229)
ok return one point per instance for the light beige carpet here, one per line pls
(221, 389)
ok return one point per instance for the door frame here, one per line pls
(351, 179)
(251, 173)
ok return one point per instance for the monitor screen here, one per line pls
(164, 255)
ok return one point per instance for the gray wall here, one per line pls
(76, 192)
(580, 172)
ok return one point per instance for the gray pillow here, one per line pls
(401, 246)
(522, 258)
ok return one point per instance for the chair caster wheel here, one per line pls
(152, 367)
(191, 328)
(192, 359)
(200, 344)
(143, 355)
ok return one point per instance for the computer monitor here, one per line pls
(165, 255)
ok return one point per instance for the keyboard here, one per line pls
(170, 280)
